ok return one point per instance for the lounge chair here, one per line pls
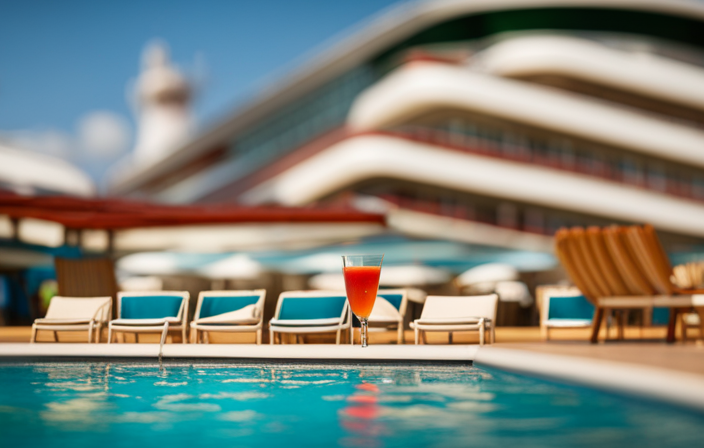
(563, 308)
(228, 311)
(150, 312)
(75, 314)
(388, 313)
(305, 312)
(457, 313)
(604, 267)
(653, 260)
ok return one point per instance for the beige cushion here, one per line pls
(245, 315)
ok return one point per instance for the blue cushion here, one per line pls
(661, 316)
(214, 305)
(312, 307)
(150, 307)
(394, 299)
(576, 307)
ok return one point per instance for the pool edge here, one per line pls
(661, 384)
(377, 353)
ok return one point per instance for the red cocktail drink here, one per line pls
(361, 274)
(362, 283)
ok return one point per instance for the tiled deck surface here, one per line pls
(687, 357)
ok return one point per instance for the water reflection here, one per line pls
(360, 417)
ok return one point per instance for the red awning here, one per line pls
(112, 213)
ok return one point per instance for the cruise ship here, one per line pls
(491, 122)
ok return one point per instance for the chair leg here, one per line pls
(90, 333)
(183, 335)
(109, 334)
(400, 339)
(416, 331)
(271, 336)
(337, 338)
(481, 334)
(492, 332)
(164, 333)
(683, 326)
(56, 336)
(33, 339)
(609, 321)
(671, 325)
(136, 338)
(596, 325)
(99, 333)
(423, 337)
(449, 337)
(620, 317)
(259, 337)
(351, 335)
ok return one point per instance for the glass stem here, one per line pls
(364, 331)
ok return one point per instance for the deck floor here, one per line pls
(644, 347)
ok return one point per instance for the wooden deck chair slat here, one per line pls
(584, 252)
(565, 255)
(646, 259)
(604, 262)
(633, 279)
(655, 245)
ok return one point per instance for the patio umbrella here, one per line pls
(165, 263)
(487, 273)
(239, 266)
(390, 276)
(414, 275)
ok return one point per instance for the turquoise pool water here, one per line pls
(105, 405)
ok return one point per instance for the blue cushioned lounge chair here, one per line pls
(301, 312)
(564, 308)
(150, 312)
(228, 311)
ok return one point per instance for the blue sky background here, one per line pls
(61, 61)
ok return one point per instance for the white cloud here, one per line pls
(103, 135)
(52, 142)
(100, 139)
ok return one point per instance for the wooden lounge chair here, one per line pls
(75, 314)
(611, 282)
(457, 313)
(652, 259)
(228, 311)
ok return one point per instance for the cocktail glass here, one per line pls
(362, 282)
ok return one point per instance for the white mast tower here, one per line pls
(163, 98)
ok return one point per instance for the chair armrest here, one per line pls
(458, 320)
(138, 322)
(305, 322)
(50, 321)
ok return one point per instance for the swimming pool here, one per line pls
(128, 404)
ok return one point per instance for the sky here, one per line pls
(66, 67)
